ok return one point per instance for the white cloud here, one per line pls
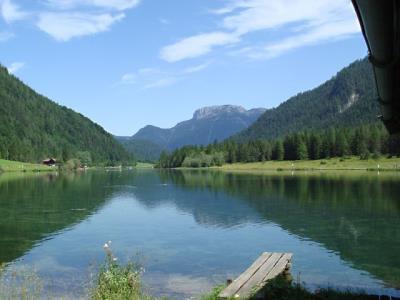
(65, 19)
(64, 26)
(306, 22)
(11, 12)
(163, 82)
(196, 69)
(324, 33)
(108, 4)
(148, 78)
(128, 78)
(196, 45)
(15, 67)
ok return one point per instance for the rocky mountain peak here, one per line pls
(212, 111)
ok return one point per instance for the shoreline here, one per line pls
(9, 166)
(333, 164)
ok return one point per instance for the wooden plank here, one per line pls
(279, 267)
(255, 281)
(232, 289)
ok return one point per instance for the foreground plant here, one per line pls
(116, 281)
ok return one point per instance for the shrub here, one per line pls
(116, 281)
(365, 155)
(213, 295)
(203, 160)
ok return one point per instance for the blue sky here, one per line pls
(129, 63)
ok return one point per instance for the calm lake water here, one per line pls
(194, 229)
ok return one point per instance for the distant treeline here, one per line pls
(365, 141)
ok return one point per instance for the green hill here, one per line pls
(347, 99)
(143, 150)
(33, 127)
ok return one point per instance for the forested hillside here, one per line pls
(143, 150)
(33, 127)
(366, 141)
(337, 119)
(348, 99)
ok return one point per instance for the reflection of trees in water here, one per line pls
(34, 207)
(355, 216)
(214, 209)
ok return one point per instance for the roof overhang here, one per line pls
(380, 26)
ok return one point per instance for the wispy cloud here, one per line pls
(64, 26)
(302, 22)
(197, 45)
(324, 33)
(128, 78)
(148, 78)
(196, 69)
(110, 4)
(15, 67)
(163, 82)
(11, 12)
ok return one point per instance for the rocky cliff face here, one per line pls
(207, 125)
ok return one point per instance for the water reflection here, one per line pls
(33, 207)
(357, 216)
(344, 230)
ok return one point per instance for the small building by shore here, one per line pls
(51, 162)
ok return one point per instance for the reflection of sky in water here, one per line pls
(183, 254)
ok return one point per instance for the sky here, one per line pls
(129, 63)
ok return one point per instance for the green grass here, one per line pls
(143, 165)
(213, 295)
(281, 289)
(123, 282)
(15, 166)
(351, 163)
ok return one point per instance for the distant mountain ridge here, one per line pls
(347, 99)
(207, 125)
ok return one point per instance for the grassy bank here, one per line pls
(15, 166)
(143, 165)
(123, 282)
(350, 163)
(280, 289)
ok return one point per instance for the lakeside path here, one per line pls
(340, 164)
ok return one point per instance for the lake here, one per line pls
(192, 230)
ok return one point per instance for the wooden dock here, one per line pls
(251, 281)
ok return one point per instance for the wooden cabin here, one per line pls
(51, 162)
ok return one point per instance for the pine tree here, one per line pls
(301, 151)
(279, 151)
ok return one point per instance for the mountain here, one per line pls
(347, 99)
(33, 127)
(143, 150)
(207, 125)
